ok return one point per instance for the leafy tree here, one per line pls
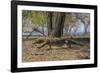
(55, 21)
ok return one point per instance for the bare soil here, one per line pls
(30, 52)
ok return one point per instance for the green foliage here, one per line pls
(69, 18)
(36, 17)
(40, 17)
(26, 14)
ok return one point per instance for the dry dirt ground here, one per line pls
(30, 52)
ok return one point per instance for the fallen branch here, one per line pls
(56, 42)
(29, 34)
(35, 29)
(42, 45)
(75, 42)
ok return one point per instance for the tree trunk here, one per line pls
(85, 25)
(49, 23)
(59, 24)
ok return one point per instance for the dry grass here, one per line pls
(31, 53)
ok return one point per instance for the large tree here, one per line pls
(49, 22)
(59, 24)
(55, 23)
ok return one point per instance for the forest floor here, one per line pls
(30, 53)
